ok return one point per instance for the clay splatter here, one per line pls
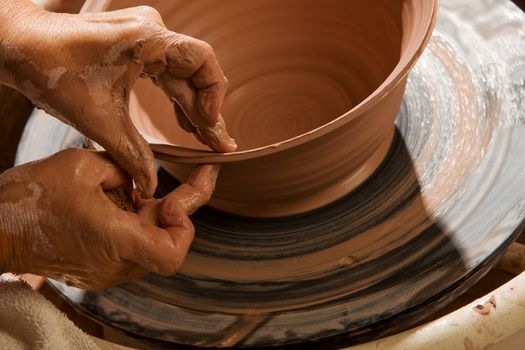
(486, 307)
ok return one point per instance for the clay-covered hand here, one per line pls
(81, 68)
(57, 221)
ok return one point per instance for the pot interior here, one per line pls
(292, 65)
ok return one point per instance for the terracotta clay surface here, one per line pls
(431, 220)
(314, 89)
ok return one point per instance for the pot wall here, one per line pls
(311, 175)
(332, 72)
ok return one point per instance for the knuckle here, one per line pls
(73, 153)
(148, 12)
(206, 50)
(205, 194)
(187, 55)
(186, 225)
(169, 209)
(189, 227)
(170, 268)
(202, 47)
(146, 20)
(78, 159)
(131, 152)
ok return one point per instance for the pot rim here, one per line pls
(181, 154)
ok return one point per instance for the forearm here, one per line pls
(12, 237)
(6, 251)
(65, 6)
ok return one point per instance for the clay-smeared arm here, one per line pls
(56, 221)
(81, 68)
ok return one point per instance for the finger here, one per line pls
(98, 282)
(211, 87)
(183, 93)
(156, 249)
(141, 11)
(217, 137)
(110, 174)
(133, 272)
(148, 211)
(147, 12)
(163, 250)
(129, 149)
(184, 123)
(95, 168)
(193, 59)
(191, 195)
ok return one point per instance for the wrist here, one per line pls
(6, 253)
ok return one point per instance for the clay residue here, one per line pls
(492, 301)
(18, 218)
(53, 75)
(486, 307)
(18, 70)
(31, 90)
(121, 199)
(241, 329)
(99, 80)
(114, 53)
(348, 261)
(468, 344)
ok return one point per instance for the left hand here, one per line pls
(56, 221)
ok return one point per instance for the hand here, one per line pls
(56, 221)
(81, 69)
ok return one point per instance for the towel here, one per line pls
(29, 321)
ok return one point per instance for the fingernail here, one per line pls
(233, 142)
(231, 145)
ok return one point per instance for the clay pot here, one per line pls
(314, 91)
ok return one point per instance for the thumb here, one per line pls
(160, 250)
(191, 195)
(131, 151)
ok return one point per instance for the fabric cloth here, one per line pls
(29, 321)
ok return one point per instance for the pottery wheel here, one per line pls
(447, 200)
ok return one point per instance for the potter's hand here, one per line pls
(56, 221)
(81, 68)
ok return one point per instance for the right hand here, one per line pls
(56, 221)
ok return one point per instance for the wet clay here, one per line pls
(314, 89)
(121, 199)
(486, 307)
(410, 258)
(468, 344)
